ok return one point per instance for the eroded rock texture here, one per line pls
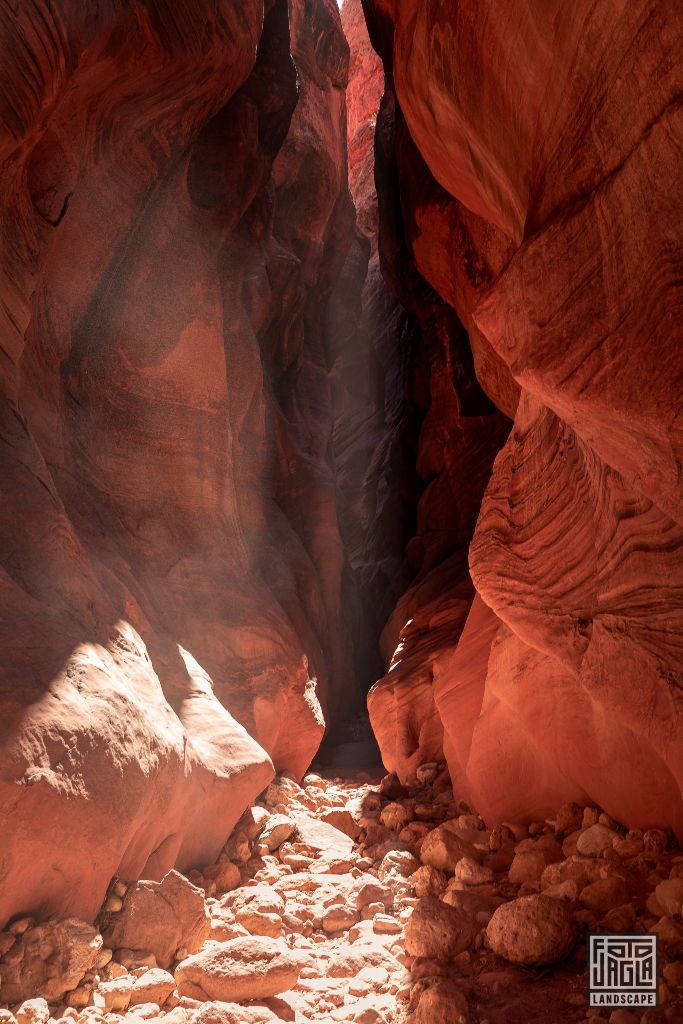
(459, 430)
(551, 222)
(175, 214)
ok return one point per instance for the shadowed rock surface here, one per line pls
(551, 226)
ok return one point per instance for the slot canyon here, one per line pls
(341, 510)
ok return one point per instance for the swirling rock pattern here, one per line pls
(175, 213)
(557, 240)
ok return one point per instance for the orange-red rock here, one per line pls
(554, 232)
(174, 215)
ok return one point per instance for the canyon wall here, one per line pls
(175, 218)
(537, 150)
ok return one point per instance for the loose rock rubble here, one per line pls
(339, 900)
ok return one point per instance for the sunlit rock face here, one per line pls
(175, 215)
(554, 230)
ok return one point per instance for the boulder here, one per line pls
(438, 931)
(428, 881)
(441, 1001)
(277, 829)
(534, 929)
(442, 849)
(161, 918)
(154, 986)
(245, 968)
(33, 1011)
(342, 820)
(604, 895)
(54, 957)
(395, 816)
(594, 840)
(669, 895)
(328, 842)
(397, 864)
(224, 874)
(232, 1013)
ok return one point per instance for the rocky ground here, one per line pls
(359, 899)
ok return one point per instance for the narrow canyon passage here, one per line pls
(341, 519)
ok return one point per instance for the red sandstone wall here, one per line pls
(551, 221)
(175, 213)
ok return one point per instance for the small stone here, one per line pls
(673, 973)
(669, 930)
(471, 872)
(620, 919)
(591, 816)
(442, 849)
(237, 847)
(604, 895)
(397, 863)
(103, 958)
(441, 1001)
(154, 986)
(395, 816)
(229, 1013)
(527, 866)
(568, 818)
(500, 837)
(655, 840)
(277, 829)
(669, 896)
(532, 929)
(79, 997)
(427, 772)
(32, 1011)
(567, 890)
(370, 890)
(595, 840)
(115, 994)
(385, 924)
(133, 959)
(342, 820)
(438, 931)
(368, 979)
(628, 847)
(248, 968)
(114, 970)
(338, 919)
(143, 1011)
(224, 874)
(428, 881)
(21, 925)
(371, 910)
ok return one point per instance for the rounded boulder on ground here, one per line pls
(438, 931)
(534, 929)
(253, 967)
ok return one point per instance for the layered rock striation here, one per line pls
(539, 191)
(175, 215)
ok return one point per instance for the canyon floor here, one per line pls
(351, 897)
